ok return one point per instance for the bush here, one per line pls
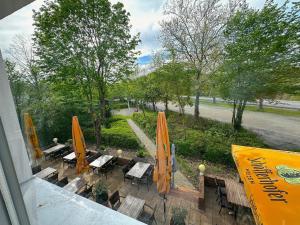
(119, 134)
(141, 153)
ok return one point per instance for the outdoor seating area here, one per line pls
(131, 191)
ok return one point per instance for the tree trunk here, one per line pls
(214, 100)
(153, 106)
(196, 113)
(237, 115)
(260, 104)
(97, 127)
(166, 105)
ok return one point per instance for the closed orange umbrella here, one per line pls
(163, 168)
(79, 146)
(32, 139)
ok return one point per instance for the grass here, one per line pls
(201, 139)
(278, 111)
(189, 167)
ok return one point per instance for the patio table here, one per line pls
(102, 160)
(138, 170)
(54, 149)
(70, 156)
(45, 172)
(75, 185)
(132, 206)
(236, 193)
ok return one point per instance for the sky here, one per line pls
(145, 17)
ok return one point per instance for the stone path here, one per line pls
(180, 179)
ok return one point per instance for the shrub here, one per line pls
(141, 153)
(119, 134)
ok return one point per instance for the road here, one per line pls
(277, 131)
(285, 104)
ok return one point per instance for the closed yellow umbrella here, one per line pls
(79, 146)
(272, 183)
(32, 139)
(163, 168)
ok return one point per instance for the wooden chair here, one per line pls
(91, 158)
(87, 192)
(125, 170)
(147, 178)
(66, 152)
(36, 169)
(114, 161)
(225, 204)
(115, 200)
(53, 178)
(146, 217)
(63, 182)
(220, 191)
(105, 169)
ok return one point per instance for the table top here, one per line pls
(132, 206)
(54, 148)
(236, 193)
(99, 162)
(70, 156)
(75, 185)
(138, 170)
(45, 172)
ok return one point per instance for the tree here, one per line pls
(194, 29)
(260, 55)
(88, 45)
(18, 86)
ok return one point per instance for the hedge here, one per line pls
(118, 134)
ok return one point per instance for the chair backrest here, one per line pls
(53, 178)
(36, 169)
(216, 182)
(125, 169)
(114, 198)
(64, 181)
(131, 162)
(153, 213)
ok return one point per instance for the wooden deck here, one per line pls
(177, 198)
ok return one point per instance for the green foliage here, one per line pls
(88, 46)
(118, 105)
(260, 56)
(141, 153)
(202, 138)
(119, 134)
(101, 192)
(178, 215)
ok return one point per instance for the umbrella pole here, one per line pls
(164, 199)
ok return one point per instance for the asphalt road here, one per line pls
(281, 132)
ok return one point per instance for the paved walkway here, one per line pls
(180, 179)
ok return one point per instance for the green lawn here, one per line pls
(283, 112)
